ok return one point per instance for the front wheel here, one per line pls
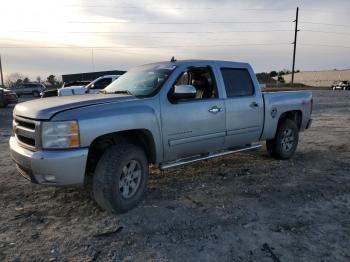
(36, 94)
(285, 142)
(120, 178)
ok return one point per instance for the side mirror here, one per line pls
(184, 92)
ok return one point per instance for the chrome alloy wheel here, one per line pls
(287, 140)
(129, 181)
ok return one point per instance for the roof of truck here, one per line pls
(191, 61)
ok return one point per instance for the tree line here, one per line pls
(273, 77)
(15, 79)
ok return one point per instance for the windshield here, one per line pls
(141, 81)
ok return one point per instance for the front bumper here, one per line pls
(59, 167)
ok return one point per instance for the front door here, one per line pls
(197, 125)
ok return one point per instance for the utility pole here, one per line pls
(295, 44)
(2, 78)
(92, 60)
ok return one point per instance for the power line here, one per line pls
(325, 32)
(128, 47)
(169, 46)
(325, 45)
(151, 32)
(175, 7)
(327, 24)
(200, 8)
(179, 23)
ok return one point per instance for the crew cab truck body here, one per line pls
(166, 114)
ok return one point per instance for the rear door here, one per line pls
(244, 105)
(28, 88)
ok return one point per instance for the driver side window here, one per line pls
(202, 79)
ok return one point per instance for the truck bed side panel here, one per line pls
(277, 103)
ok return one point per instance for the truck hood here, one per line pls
(46, 108)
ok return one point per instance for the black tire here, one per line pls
(2, 104)
(36, 94)
(110, 174)
(285, 142)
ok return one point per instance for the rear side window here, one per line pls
(237, 82)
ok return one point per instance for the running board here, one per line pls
(189, 160)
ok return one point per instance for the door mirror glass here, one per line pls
(184, 92)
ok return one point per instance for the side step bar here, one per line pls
(185, 161)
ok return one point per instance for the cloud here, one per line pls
(138, 21)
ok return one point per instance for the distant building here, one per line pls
(89, 76)
(318, 78)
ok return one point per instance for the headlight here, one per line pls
(60, 134)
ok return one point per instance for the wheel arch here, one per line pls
(295, 115)
(139, 137)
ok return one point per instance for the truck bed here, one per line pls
(276, 103)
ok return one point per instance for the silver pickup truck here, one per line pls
(166, 114)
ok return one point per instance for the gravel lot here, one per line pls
(244, 207)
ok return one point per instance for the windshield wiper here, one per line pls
(120, 92)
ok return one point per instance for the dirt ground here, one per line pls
(244, 207)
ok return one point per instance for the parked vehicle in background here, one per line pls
(341, 85)
(93, 88)
(166, 114)
(49, 93)
(33, 89)
(335, 83)
(54, 92)
(7, 97)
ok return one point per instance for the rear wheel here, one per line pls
(285, 141)
(120, 178)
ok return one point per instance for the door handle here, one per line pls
(215, 109)
(254, 104)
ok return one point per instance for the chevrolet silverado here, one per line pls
(165, 114)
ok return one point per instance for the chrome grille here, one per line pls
(27, 132)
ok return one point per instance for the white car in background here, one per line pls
(341, 85)
(93, 88)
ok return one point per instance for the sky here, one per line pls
(42, 37)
